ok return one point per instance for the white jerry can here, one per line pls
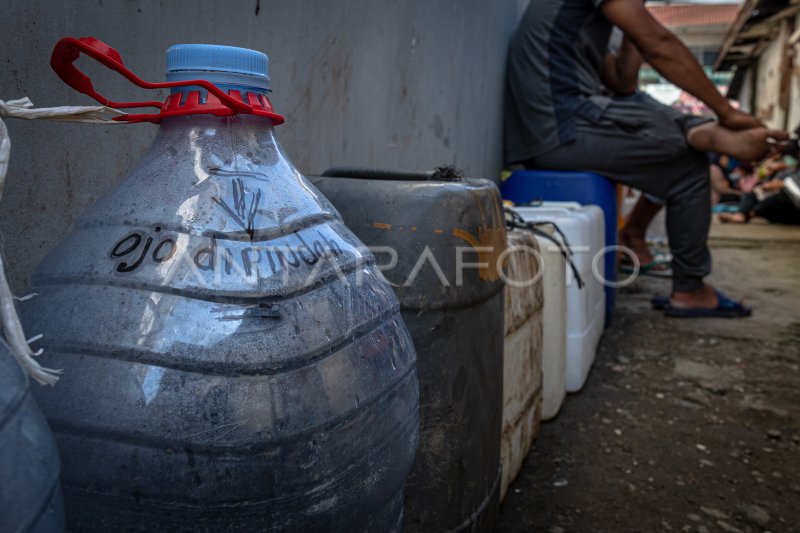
(584, 228)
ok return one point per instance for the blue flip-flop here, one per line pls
(657, 268)
(659, 301)
(726, 308)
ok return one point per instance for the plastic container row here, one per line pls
(493, 358)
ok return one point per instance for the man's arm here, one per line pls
(668, 55)
(621, 69)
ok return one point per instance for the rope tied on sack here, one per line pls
(22, 108)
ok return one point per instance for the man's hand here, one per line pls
(734, 119)
(620, 71)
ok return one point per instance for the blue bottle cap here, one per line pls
(221, 65)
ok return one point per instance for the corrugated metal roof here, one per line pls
(695, 14)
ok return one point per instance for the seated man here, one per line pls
(559, 117)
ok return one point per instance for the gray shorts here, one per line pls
(641, 143)
(636, 141)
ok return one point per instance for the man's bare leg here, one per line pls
(633, 235)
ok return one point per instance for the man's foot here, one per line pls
(705, 298)
(634, 232)
(746, 145)
(704, 303)
(733, 218)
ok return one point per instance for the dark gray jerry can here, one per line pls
(456, 323)
(30, 493)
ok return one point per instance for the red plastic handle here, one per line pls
(69, 49)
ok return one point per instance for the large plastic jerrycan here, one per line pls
(30, 494)
(435, 224)
(232, 358)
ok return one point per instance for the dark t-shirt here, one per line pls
(554, 63)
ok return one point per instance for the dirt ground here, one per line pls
(683, 425)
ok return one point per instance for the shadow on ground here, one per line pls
(684, 425)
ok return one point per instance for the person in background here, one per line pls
(771, 199)
(723, 188)
(558, 117)
(777, 208)
(779, 161)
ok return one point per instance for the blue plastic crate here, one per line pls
(525, 186)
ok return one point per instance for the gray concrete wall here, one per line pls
(408, 84)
